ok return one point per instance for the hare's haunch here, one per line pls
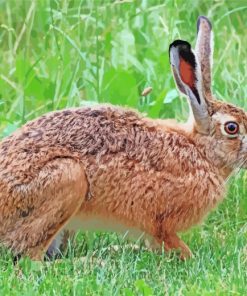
(110, 168)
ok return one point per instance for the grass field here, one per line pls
(57, 54)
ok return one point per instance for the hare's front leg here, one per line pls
(52, 198)
(171, 241)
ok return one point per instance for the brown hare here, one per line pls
(111, 168)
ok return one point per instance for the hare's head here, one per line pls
(220, 127)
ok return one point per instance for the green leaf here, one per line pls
(120, 87)
(170, 96)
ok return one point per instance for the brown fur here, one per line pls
(114, 164)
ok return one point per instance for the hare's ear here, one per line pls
(204, 52)
(187, 74)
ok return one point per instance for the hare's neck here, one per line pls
(215, 156)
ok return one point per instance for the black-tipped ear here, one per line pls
(184, 66)
(187, 76)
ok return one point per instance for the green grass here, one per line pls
(57, 54)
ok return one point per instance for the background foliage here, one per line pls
(57, 54)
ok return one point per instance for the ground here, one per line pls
(57, 54)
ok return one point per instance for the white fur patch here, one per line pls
(222, 118)
(87, 222)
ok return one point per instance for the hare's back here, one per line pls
(66, 133)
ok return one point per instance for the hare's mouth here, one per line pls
(242, 163)
(245, 164)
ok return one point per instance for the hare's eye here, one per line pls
(231, 127)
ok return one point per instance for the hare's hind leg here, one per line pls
(60, 243)
(55, 195)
